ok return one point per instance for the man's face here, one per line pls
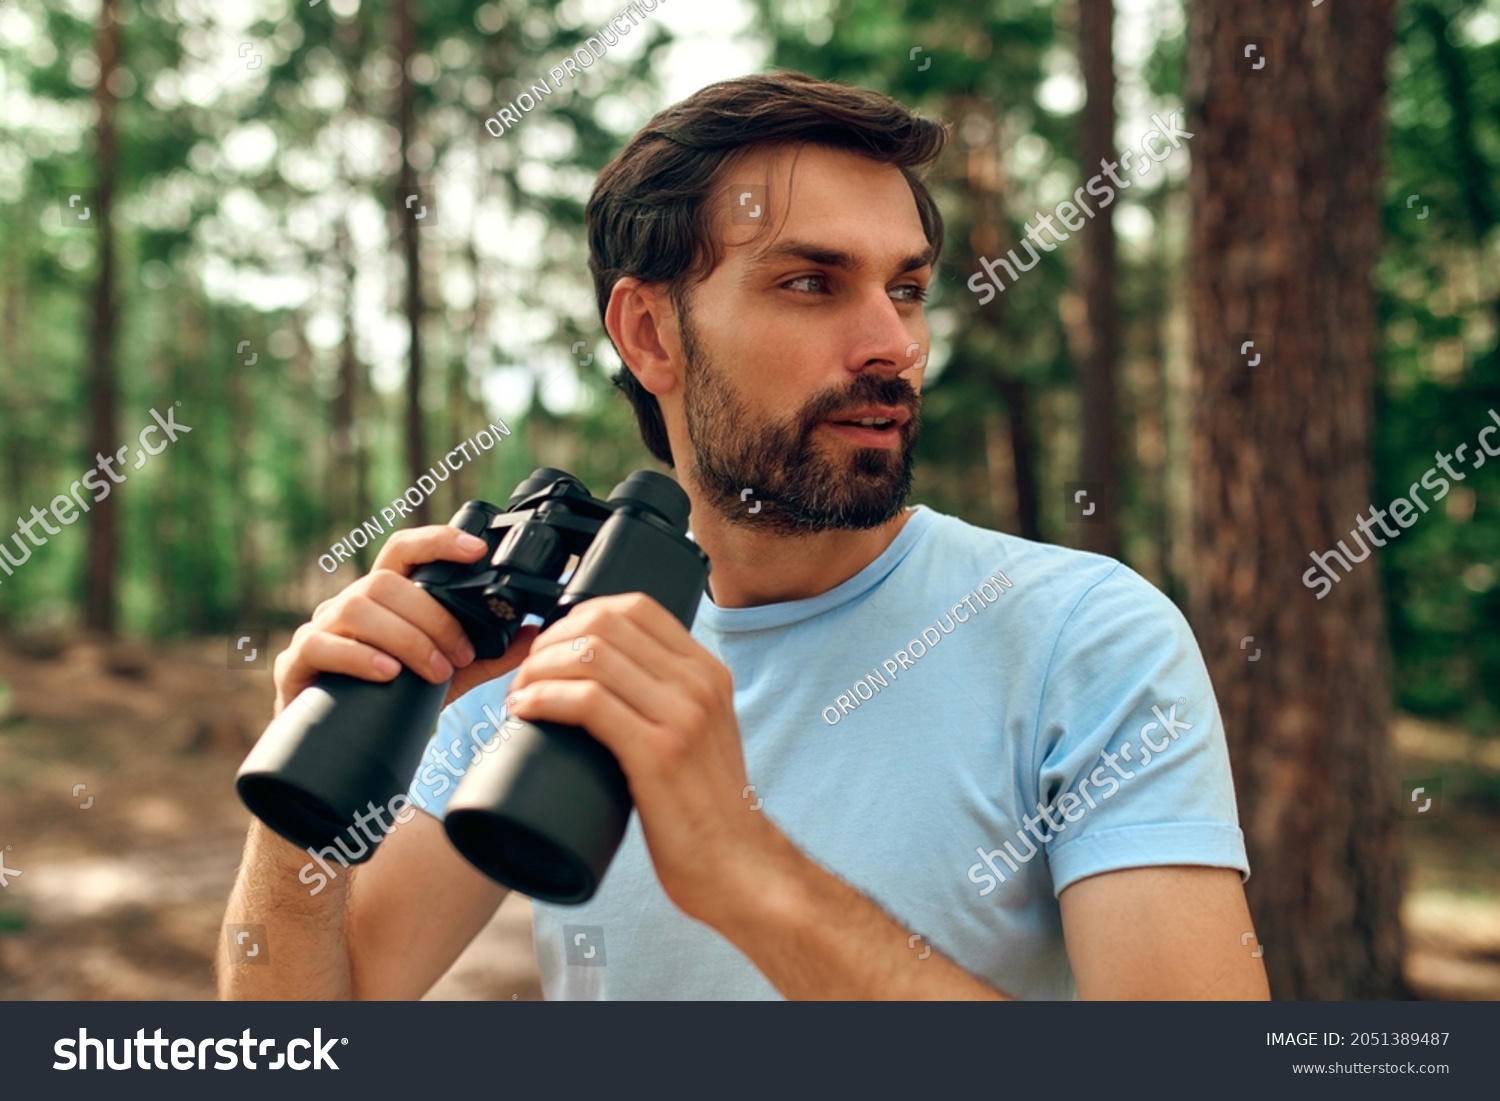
(812, 322)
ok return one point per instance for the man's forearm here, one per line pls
(815, 937)
(305, 942)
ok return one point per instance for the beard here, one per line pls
(800, 485)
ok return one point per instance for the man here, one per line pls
(912, 784)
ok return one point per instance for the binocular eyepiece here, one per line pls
(543, 810)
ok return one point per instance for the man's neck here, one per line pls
(753, 567)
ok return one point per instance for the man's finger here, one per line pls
(627, 662)
(644, 611)
(406, 550)
(367, 620)
(325, 653)
(419, 608)
(586, 703)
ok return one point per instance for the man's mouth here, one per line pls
(871, 427)
(884, 416)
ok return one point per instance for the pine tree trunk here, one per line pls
(1157, 427)
(239, 401)
(983, 173)
(14, 303)
(463, 485)
(1285, 183)
(1016, 396)
(346, 459)
(1102, 459)
(104, 539)
(416, 442)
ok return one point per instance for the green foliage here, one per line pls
(218, 244)
(1440, 312)
(249, 159)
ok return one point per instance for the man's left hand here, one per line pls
(627, 671)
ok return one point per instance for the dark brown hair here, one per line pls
(648, 216)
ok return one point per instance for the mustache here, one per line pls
(866, 390)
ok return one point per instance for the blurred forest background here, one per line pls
(250, 256)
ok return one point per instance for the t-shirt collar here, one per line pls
(765, 616)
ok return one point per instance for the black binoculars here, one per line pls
(545, 814)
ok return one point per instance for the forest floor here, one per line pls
(118, 809)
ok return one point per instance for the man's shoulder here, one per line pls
(1043, 575)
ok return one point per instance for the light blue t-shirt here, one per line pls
(902, 729)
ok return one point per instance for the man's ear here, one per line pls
(642, 322)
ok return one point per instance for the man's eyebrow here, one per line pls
(831, 257)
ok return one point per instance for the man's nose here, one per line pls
(891, 345)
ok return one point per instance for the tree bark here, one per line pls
(1157, 431)
(346, 459)
(984, 183)
(239, 398)
(104, 538)
(1102, 459)
(416, 441)
(463, 484)
(1017, 398)
(14, 437)
(1286, 164)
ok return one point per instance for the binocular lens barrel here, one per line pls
(343, 747)
(543, 815)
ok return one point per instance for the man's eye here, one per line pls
(819, 279)
(913, 292)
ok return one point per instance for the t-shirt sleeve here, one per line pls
(1132, 763)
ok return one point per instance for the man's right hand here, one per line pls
(387, 939)
(384, 621)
